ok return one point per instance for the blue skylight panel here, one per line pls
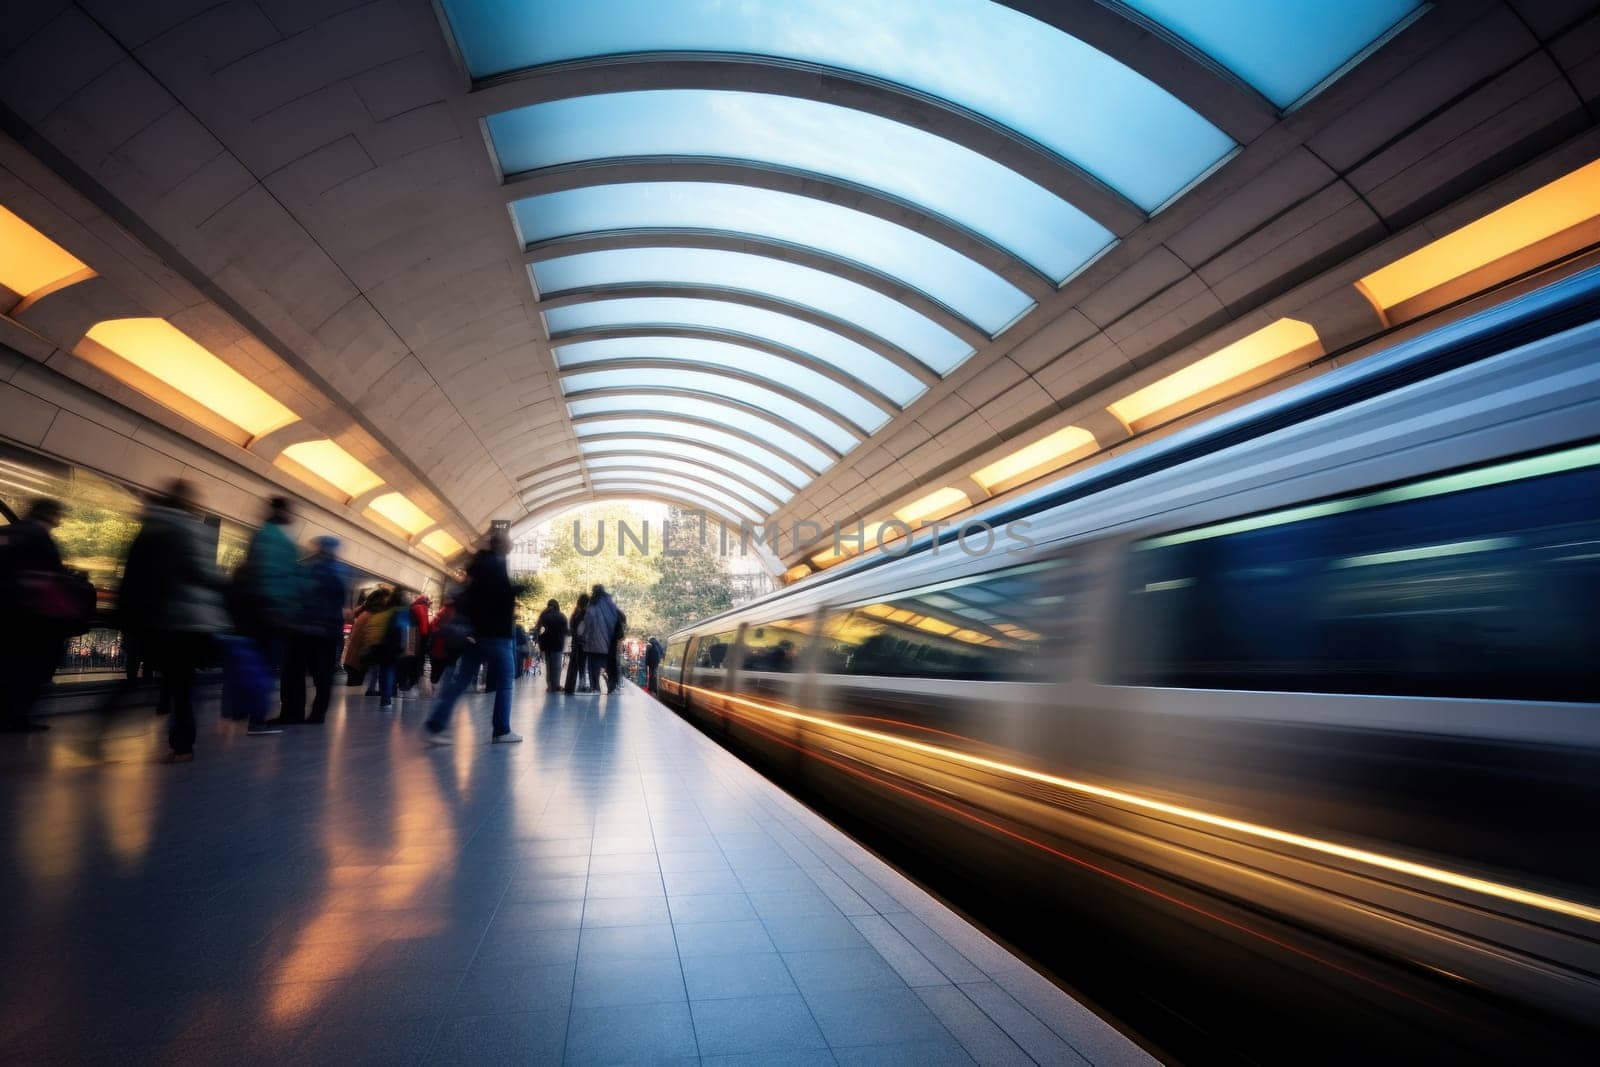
(695, 492)
(937, 175)
(971, 290)
(816, 290)
(825, 345)
(717, 355)
(1006, 66)
(668, 465)
(1281, 49)
(650, 430)
(786, 410)
(675, 407)
(704, 458)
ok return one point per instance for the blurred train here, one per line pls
(1281, 735)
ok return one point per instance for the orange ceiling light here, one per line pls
(398, 510)
(933, 507)
(1554, 220)
(1036, 460)
(32, 265)
(441, 543)
(328, 464)
(1284, 345)
(160, 360)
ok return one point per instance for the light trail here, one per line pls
(1439, 875)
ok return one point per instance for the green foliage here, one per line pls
(692, 581)
(530, 602)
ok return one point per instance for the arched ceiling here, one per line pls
(788, 259)
(759, 231)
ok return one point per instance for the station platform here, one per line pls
(617, 889)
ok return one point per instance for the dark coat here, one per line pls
(490, 597)
(551, 630)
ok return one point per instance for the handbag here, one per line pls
(64, 599)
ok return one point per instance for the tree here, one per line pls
(692, 581)
(628, 575)
(530, 602)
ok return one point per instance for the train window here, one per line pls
(989, 628)
(672, 660)
(776, 646)
(714, 650)
(1476, 584)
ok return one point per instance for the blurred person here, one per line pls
(550, 633)
(314, 646)
(652, 663)
(489, 605)
(266, 592)
(31, 573)
(171, 581)
(577, 669)
(601, 630)
(421, 624)
(354, 672)
(524, 649)
(379, 644)
(445, 639)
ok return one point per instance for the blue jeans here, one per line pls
(386, 675)
(496, 653)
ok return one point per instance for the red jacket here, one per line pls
(419, 619)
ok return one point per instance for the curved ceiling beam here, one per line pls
(792, 395)
(727, 241)
(743, 340)
(713, 481)
(598, 293)
(625, 391)
(1215, 93)
(635, 454)
(668, 440)
(623, 170)
(678, 427)
(826, 85)
(695, 487)
(555, 506)
(545, 488)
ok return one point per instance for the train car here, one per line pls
(1282, 729)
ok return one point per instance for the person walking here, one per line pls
(652, 663)
(421, 626)
(601, 630)
(524, 649)
(550, 633)
(314, 645)
(489, 604)
(171, 581)
(31, 577)
(577, 669)
(381, 642)
(444, 643)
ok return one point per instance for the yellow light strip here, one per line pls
(328, 461)
(399, 510)
(1251, 360)
(1376, 859)
(1552, 221)
(795, 573)
(1040, 458)
(441, 542)
(936, 505)
(177, 362)
(31, 263)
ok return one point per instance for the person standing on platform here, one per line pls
(171, 580)
(267, 591)
(421, 625)
(652, 663)
(550, 632)
(489, 603)
(443, 643)
(30, 642)
(577, 669)
(314, 646)
(600, 631)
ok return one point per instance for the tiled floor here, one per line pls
(616, 890)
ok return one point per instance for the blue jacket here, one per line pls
(324, 588)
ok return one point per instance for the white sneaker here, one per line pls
(507, 738)
(435, 738)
